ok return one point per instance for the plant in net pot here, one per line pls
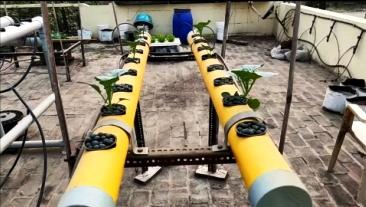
(133, 51)
(107, 81)
(247, 79)
(199, 28)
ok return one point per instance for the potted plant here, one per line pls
(107, 81)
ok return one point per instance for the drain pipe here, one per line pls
(290, 78)
(6, 21)
(13, 33)
(23, 124)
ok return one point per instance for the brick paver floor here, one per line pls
(174, 96)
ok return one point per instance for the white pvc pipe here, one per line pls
(6, 21)
(12, 32)
(23, 124)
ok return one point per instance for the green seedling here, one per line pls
(201, 25)
(161, 38)
(170, 37)
(107, 81)
(132, 46)
(246, 80)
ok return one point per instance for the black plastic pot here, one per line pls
(354, 82)
(132, 60)
(100, 141)
(250, 128)
(223, 81)
(236, 99)
(209, 56)
(122, 88)
(214, 67)
(115, 109)
(132, 72)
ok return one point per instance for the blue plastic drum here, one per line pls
(182, 24)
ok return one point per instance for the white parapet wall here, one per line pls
(343, 35)
(243, 19)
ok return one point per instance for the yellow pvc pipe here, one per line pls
(100, 172)
(255, 156)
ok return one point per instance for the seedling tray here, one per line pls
(100, 141)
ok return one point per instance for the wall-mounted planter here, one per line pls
(132, 72)
(209, 56)
(250, 128)
(100, 141)
(236, 99)
(132, 60)
(122, 88)
(223, 81)
(115, 109)
(214, 67)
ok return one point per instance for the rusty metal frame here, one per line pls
(180, 156)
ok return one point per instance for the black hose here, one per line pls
(44, 174)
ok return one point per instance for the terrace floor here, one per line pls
(174, 96)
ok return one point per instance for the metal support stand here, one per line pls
(51, 63)
(226, 28)
(118, 32)
(213, 130)
(147, 172)
(16, 63)
(81, 36)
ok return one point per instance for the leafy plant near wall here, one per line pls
(201, 25)
(246, 79)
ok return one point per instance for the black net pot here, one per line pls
(100, 141)
(115, 109)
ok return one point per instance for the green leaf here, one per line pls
(96, 88)
(200, 25)
(254, 103)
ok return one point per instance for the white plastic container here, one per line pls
(335, 98)
(106, 35)
(122, 29)
(87, 34)
(101, 27)
(220, 30)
